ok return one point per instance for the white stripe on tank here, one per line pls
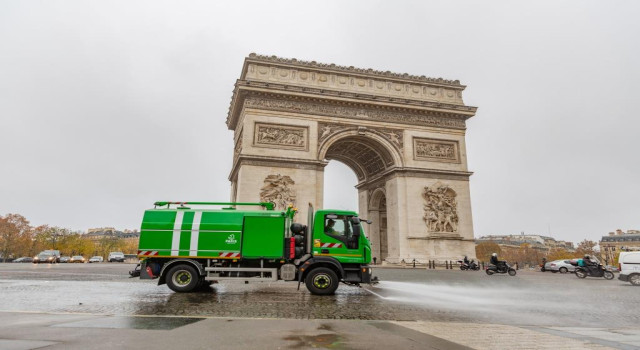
(195, 233)
(177, 227)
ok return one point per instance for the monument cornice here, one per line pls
(283, 162)
(415, 172)
(346, 105)
(351, 70)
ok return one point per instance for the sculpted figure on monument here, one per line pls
(440, 209)
(278, 190)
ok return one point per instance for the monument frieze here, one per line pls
(436, 150)
(281, 136)
(339, 111)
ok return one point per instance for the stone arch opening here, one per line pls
(377, 213)
(367, 154)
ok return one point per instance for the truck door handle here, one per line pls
(324, 251)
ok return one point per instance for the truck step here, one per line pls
(273, 272)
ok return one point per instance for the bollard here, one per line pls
(414, 263)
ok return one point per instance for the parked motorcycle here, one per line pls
(470, 266)
(506, 268)
(594, 271)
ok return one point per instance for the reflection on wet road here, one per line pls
(545, 299)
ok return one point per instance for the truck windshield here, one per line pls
(339, 227)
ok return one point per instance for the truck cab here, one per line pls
(187, 248)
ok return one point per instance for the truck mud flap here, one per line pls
(146, 272)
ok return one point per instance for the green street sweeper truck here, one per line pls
(187, 247)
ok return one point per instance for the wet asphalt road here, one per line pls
(529, 299)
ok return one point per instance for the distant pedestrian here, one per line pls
(374, 260)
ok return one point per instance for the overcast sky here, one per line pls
(108, 106)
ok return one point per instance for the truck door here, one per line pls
(334, 237)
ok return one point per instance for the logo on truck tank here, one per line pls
(231, 239)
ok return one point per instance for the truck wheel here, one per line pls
(322, 281)
(635, 279)
(182, 278)
(563, 270)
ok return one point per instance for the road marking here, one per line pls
(195, 233)
(177, 227)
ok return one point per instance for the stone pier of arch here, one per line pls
(402, 135)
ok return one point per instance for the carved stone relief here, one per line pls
(440, 208)
(325, 130)
(238, 148)
(278, 189)
(280, 136)
(436, 150)
(352, 112)
(393, 135)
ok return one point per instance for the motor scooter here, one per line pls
(594, 271)
(502, 268)
(470, 266)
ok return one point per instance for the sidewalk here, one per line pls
(26, 330)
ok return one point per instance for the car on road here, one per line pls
(24, 259)
(65, 259)
(629, 265)
(562, 266)
(45, 257)
(96, 259)
(77, 259)
(116, 256)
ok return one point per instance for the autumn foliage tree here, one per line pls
(15, 236)
(485, 249)
(18, 238)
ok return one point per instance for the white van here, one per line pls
(629, 263)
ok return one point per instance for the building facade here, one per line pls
(618, 241)
(543, 243)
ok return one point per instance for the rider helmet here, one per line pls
(494, 254)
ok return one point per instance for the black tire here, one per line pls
(580, 273)
(182, 278)
(634, 279)
(511, 272)
(542, 269)
(489, 272)
(462, 268)
(563, 270)
(322, 281)
(608, 275)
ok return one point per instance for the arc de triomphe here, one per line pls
(403, 136)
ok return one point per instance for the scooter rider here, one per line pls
(466, 260)
(499, 264)
(589, 264)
